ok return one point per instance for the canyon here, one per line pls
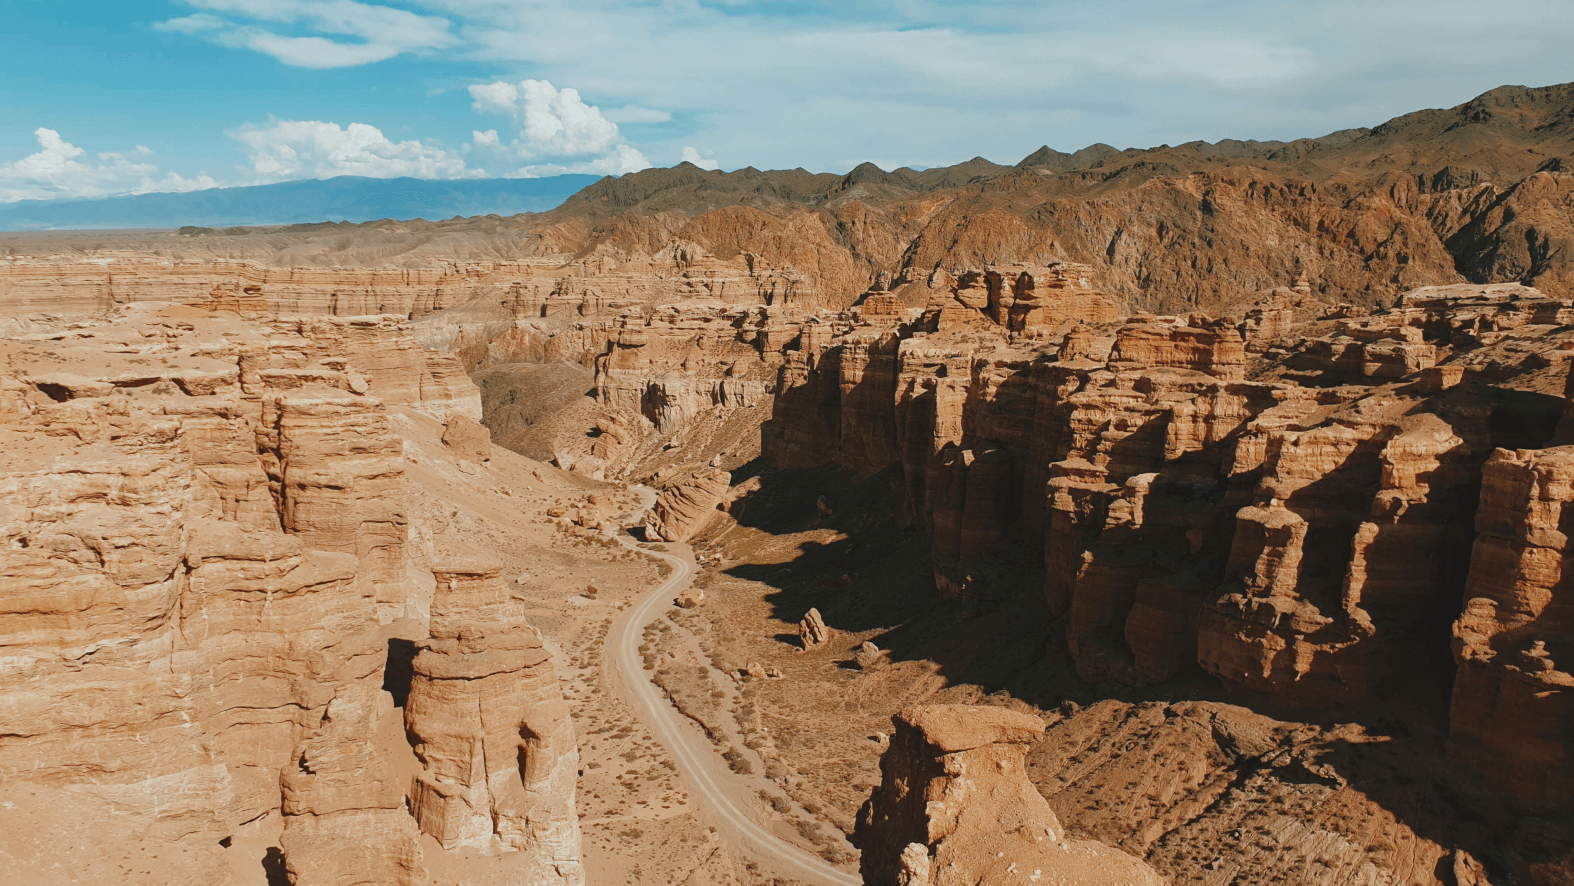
(1190, 515)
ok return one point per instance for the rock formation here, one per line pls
(1087, 365)
(955, 806)
(488, 722)
(345, 815)
(687, 506)
(871, 657)
(1513, 703)
(812, 632)
(204, 549)
(188, 510)
(1293, 533)
(468, 437)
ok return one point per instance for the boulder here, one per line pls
(687, 506)
(812, 631)
(871, 657)
(468, 437)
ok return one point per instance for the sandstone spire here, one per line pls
(488, 722)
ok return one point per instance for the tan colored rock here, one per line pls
(1212, 347)
(687, 506)
(812, 631)
(468, 437)
(691, 598)
(871, 657)
(488, 722)
(345, 820)
(203, 522)
(955, 806)
(1513, 701)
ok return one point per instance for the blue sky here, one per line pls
(105, 98)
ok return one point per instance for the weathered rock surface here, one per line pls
(955, 806)
(1513, 704)
(1290, 532)
(488, 722)
(185, 505)
(205, 542)
(871, 657)
(1208, 792)
(812, 632)
(345, 818)
(468, 437)
(686, 507)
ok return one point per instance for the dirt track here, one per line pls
(724, 802)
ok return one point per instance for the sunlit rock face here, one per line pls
(955, 806)
(487, 720)
(203, 541)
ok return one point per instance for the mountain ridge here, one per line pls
(347, 198)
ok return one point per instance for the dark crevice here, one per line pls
(400, 670)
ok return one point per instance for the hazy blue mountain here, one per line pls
(346, 198)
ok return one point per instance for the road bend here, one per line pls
(724, 799)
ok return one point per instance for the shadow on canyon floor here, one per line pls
(866, 568)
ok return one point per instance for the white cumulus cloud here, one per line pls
(191, 24)
(558, 132)
(58, 169)
(295, 149)
(690, 155)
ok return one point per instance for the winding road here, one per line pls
(725, 802)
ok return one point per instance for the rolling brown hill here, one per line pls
(1482, 192)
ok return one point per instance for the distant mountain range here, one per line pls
(345, 198)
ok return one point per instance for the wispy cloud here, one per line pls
(375, 33)
(637, 115)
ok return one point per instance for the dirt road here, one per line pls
(724, 801)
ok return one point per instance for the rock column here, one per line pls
(488, 722)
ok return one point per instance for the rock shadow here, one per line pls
(869, 573)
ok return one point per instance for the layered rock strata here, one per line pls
(686, 507)
(204, 540)
(489, 724)
(346, 820)
(1250, 513)
(955, 806)
(1513, 705)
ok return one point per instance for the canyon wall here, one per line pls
(1209, 496)
(204, 557)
